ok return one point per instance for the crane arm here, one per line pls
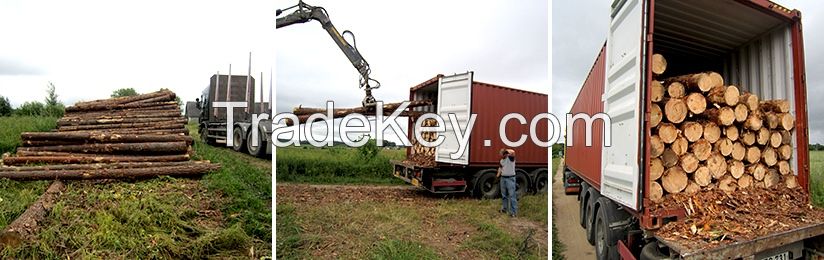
(305, 13)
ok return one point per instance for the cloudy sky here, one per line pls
(408, 42)
(90, 48)
(578, 36)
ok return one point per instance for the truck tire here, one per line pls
(607, 234)
(486, 184)
(652, 252)
(521, 182)
(582, 204)
(204, 136)
(238, 140)
(541, 180)
(590, 216)
(259, 150)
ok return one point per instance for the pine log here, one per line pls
(62, 122)
(724, 146)
(656, 169)
(700, 81)
(769, 157)
(775, 139)
(722, 116)
(127, 99)
(23, 160)
(692, 188)
(702, 149)
(786, 121)
(702, 176)
(655, 115)
(689, 163)
(753, 154)
(776, 105)
(741, 113)
(669, 158)
(786, 137)
(754, 121)
(731, 95)
(717, 165)
(657, 91)
(736, 168)
(772, 178)
(193, 169)
(716, 95)
(656, 193)
(748, 138)
(26, 227)
(668, 132)
(659, 64)
(110, 148)
(675, 110)
(750, 100)
(771, 119)
(757, 171)
(103, 137)
(99, 107)
(92, 166)
(676, 90)
(763, 136)
(31, 143)
(785, 152)
(711, 132)
(680, 145)
(174, 122)
(656, 147)
(674, 180)
(738, 151)
(784, 167)
(727, 184)
(696, 103)
(745, 181)
(790, 181)
(717, 79)
(731, 132)
(692, 130)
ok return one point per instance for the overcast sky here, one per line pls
(408, 42)
(578, 36)
(90, 48)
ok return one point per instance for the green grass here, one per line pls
(225, 214)
(555, 162)
(13, 126)
(558, 247)
(817, 177)
(402, 250)
(336, 165)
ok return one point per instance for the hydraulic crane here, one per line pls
(305, 13)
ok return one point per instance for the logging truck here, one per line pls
(474, 171)
(703, 96)
(212, 123)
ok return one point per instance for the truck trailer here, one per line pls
(474, 171)
(756, 45)
(213, 120)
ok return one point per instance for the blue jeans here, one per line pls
(509, 199)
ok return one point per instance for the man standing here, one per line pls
(506, 173)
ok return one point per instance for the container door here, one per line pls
(454, 97)
(625, 52)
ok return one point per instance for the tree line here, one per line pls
(51, 107)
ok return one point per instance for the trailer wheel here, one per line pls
(582, 204)
(239, 143)
(486, 185)
(259, 150)
(607, 234)
(204, 136)
(590, 215)
(541, 180)
(651, 251)
(521, 182)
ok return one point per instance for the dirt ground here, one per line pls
(444, 223)
(568, 222)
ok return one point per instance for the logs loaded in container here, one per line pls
(99, 139)
(708, 134)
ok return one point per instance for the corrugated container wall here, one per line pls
(583, 160)
(491, 103)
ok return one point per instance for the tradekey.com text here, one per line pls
(459, 130)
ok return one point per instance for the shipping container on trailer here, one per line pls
(474, 171)
(755, 44)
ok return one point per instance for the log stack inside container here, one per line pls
(707, 134)
(128, 137)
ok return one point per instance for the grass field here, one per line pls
(336, 165)
(226, 214)
(817, 177)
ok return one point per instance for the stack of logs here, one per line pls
(128, 137)
(706, 135)
(420, 154)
